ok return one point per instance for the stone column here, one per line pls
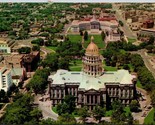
(64, 92)
(75, 91)
(93, 99)
(51, 93)
(85, 98)
(68, 90)
(98, 99)
(55, 93)
(90, 99)
(71, 91)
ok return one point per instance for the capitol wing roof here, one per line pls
(64, 76)
(120, 76)
(89, 82)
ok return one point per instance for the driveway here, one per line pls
(45, 107)
(143, 105)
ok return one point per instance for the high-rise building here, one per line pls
(5, 78)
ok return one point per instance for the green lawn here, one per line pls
(131, 67)
(110, 68)
(52, 48)
(108, 113)
(131, 40)
(127, 110)
(138, 84)
(55, 109)
(97, 40)
(149, 118)
(77, 66)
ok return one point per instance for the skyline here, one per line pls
(78, 1)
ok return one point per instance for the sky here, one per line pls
(78, 1)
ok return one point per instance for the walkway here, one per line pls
(143, 105)
(45, 106)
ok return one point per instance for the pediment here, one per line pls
(91, 91)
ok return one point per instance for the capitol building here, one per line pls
(92, 85)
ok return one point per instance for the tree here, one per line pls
(83, 113)
(51, 61)
(63, 63)
(36, 48)
(39, 81)
(153, 98)
(38, 41)
(130, 119)
(81, 32)
(86, 35)
(48, 121)
(36, 114)
(150, 48)
(151, 40)
(24, 50)
(103, 35)
(120, 23)
(66, 119)
(68, 105)
(134, 106)
(37, 84)
(98, 113)
(118, 112)
(19, 111)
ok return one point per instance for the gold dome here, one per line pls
(92, 48)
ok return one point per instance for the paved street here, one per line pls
(146, 102)
(125, 28)
(146, 58)
(45, 106)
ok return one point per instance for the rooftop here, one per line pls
(88, 82)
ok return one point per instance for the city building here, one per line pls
(30, 61)
(92, 86)
(6, 45)
(27, 61)
(5, 78)
(18, 75)
(148, 24)
(12, 61)
(97, 25)
(147, 32)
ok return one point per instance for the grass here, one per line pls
(127, 110)
(55, 109)
(77, 66)
(131, 67)
(52, 48)
(110, 68)
(138, 84)
(149, 119)
(131, 40)
(108, 113)
(151, 54)
(97, 39)
(122, 51)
